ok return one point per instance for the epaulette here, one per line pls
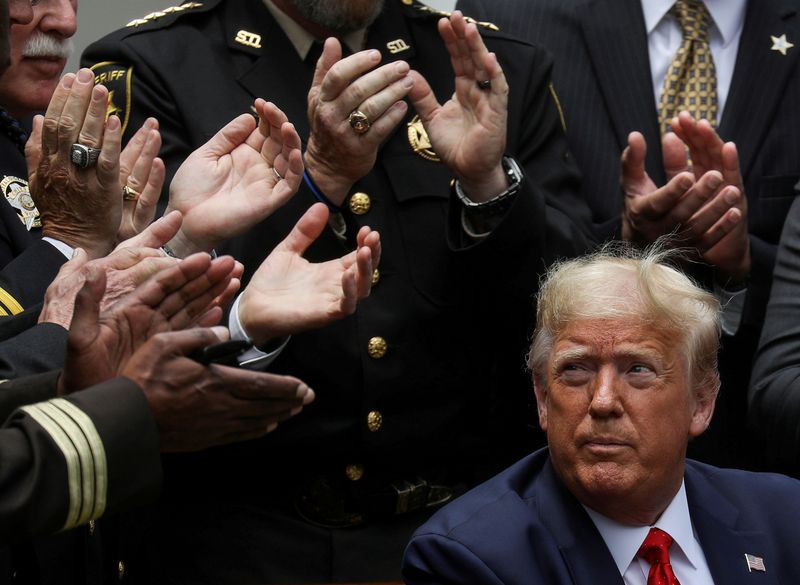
(425, 9)
(153, 16)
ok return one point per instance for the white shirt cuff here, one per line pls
(65, 249)
(253, 357)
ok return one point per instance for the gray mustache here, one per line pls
(44, 45)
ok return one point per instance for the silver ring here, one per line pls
(84, 156)
(278, 176)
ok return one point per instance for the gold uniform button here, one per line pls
(408, 2)
(121, 570)
(376, 276)
(360, 203)
(377, 347)
(354, 472)
(374, 421)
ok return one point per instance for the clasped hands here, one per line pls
(703, 204)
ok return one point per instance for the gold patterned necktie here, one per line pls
(691, 80)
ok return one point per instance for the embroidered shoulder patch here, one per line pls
(117, 78)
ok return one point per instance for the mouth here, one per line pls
(605, 445)
(50, 65)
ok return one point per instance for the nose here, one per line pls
(605, 400)
(59, 17)
(20, 11)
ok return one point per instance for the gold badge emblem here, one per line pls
(419, 141)
(117, 77)
(19, 197)
(248, 39)
(397, 46)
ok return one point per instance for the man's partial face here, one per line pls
(618, 414)
(338, 16)
(39, 52)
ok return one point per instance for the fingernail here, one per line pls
(375, 55)
(85, 76)
(408, 82)
(401, 67)
(731, 196)
(68, 80)
(714, 182)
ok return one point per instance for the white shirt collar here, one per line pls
(728, 15)
(623, 541)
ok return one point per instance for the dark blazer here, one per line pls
(523, 527)
(602, 75)
(774, 407)
(35, 470)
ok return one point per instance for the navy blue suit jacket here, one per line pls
(524, 527)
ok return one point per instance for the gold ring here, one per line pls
(278, 176)
(129, 194)
(359, 121)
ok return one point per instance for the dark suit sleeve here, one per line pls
(435, 559)
(774, 398)
(25, 279)
(64, 462)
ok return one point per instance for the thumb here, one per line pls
(307, 229)
(422, 97)
(85, 317)
(33, 147)
(233, 134)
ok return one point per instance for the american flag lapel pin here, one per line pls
(754, 563)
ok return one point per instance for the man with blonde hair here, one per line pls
(624, 370)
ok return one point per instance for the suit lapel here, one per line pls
(715, 520)
(616, 39)
(583, 549)
(760, 75)
(274, 71)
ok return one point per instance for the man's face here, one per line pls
(618, 414)
(39, 52)
(338, 16)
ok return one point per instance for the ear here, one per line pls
(540, 390)
(705, 398)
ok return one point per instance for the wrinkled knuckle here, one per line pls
(88, 140)
(67, 123)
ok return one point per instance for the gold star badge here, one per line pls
(780, 44)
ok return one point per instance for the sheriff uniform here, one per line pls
(411, 401)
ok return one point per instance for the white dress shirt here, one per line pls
(686, 555)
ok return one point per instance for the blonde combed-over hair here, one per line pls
(622, 282)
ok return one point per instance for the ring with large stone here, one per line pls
(129, 194)
(359, 121)
(484, 84)
(84, 156)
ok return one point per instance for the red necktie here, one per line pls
(655, 550)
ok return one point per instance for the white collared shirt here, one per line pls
(686, 555)
(664, 37)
